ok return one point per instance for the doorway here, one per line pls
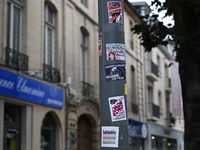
(12, 127)
(84, 138)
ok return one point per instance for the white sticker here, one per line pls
(109, 136)
(117, 108)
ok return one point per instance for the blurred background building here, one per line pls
(49, 79)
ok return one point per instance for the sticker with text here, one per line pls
(115, 72)
(115, 51)
(100, 43)
(110, 136)
(117, 108)
(114, 12)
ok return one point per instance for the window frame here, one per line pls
(10, 24)
(49, 128)
(84, 49)
(131, 35)
(133, 85)
(84, 2)
(51, 26)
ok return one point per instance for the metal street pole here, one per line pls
(112, 76)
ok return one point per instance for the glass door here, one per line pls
(11, 138)
(12, 127)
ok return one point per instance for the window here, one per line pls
(160, 102)
(133, 92)
(167, 107)
(84, 47)
(48, 133)
(131, 36)
(49, 29)
(136, 144)
(163, 143)
(150, 100)
(14, 19)
(133, 97)
(159, 65)
(84, 2)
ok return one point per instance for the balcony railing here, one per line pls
(152, 70)
(171, 120)
(134, 108)
(156, 111)
(87, 89)
(51, 74)
(16, 60)
(153, 111)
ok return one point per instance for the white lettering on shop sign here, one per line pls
(22, 87)
(6, 84)
(55, 102)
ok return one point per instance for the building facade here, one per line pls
(165, 129)
(49, 78)
(138, 129)
(81, 44)
(32, 105)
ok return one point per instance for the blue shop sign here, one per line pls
(18, 86)
(137, 129)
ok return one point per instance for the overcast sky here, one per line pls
(165, 20)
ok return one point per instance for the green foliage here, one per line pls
(152, 32)
(185, 34)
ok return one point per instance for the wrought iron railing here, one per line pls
(134, 108)
(16, 60)
(51, 74)
(87, 89)
(156, 111)
(170, 119)
(152, 68)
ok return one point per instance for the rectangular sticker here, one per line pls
(100, 44)
(115, 51)
(115, 72)
(115, 12)
(117, 108)
(125, 89)
(109, 136)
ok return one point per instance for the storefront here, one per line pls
(138, 133)
(31, 113)
(164, 138)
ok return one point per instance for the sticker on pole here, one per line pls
(117, 108)
(115, 72)
(115, 12)
(125, 89)
(115, 51)
(100, 44)
(109, 136)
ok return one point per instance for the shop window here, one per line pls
(12, 127)
(136, 144)
(48, 133)
(162, 143)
